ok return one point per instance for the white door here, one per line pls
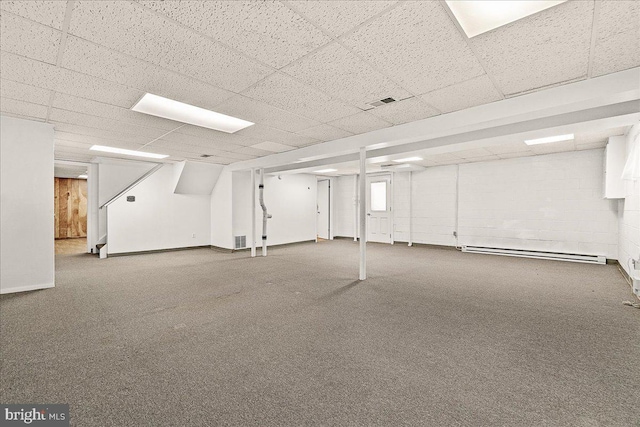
(323, 209)
(379, 209)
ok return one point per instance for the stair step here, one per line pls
(100, 245)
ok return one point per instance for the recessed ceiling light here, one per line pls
(82, 176)
(409, 159)
(477, 17)
(326, 170)
(180, 112)
(549, 139)
(127, 152)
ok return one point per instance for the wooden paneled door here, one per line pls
(70, 196)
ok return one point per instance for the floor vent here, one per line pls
(589, 259)
(241, 242)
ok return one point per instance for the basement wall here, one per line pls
(291, 199)
(26, 206)
(629, 213)
(549, 203)
(158, 219)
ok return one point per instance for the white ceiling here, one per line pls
(303, 71)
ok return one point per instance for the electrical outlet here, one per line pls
(455, 234)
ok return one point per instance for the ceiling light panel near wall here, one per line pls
(549, 139)
(408, 159)
(326, 171)
(477, 17)
(115, 150)
(166, 108)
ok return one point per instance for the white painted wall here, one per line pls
(344, 206)
(222, 211)
(291, 200)
(629, 212)
(549, 203)
(158, 219)
(26, 205)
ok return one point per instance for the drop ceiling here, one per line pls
(304, 71)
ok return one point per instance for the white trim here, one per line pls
(26, 288)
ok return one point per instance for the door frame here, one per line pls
(331, 204)
(392, 226)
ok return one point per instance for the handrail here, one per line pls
(133, 184)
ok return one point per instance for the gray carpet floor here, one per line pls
(434, 337)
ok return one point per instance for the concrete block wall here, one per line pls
(629, 212)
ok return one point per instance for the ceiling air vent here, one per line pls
(382, 102)
(206, 155)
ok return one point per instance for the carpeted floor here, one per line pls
(434, 337)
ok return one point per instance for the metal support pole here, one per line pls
(253, 213)
(410, 208)
(363, 213)
(355, 208)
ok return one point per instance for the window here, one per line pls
(379, 196)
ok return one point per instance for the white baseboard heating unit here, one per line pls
(590, 259)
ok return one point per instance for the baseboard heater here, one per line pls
(589, 259)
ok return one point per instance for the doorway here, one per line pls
(70, 208)
(379, 208)
(323, 221)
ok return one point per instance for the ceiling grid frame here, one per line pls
(354, 29)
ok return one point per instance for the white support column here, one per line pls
(363, 213)
(355, 208)
(411, 208)
(253, 213)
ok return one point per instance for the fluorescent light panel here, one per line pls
(127, 152)
(549, 139)
(409, 159)
(477, 17)
(180, 112)
(326, 170)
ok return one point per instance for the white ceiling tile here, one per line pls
(49, 13)
(338, 72)
(360, 123)
(209, 148)
(109, 125)
(338, 17)
(86, 131)
(253, 151)
(78, 138)
(28, 38)
(287, 93)
(477, 91)
(214, 135)
(404, 111)
(137, 31)
(263, 133)
(260, 112)
(125, 115)
(417, 45)
(617, 16)
(21, 92)
(99, 61)
(515, 155)
(548, 47)
(510, 148)
(474, 152)
(325, 132)
(616, 53)
(47, 76)
(273, 147)
(266, 30)
(21, 108)
(441, 158)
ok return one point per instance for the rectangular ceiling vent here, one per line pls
(382, 102)
(241, 242)
(205, 155)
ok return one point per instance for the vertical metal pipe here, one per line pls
(355, 208)
(265, 214)
(363, 213)
(411, 208)
(253, 212)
